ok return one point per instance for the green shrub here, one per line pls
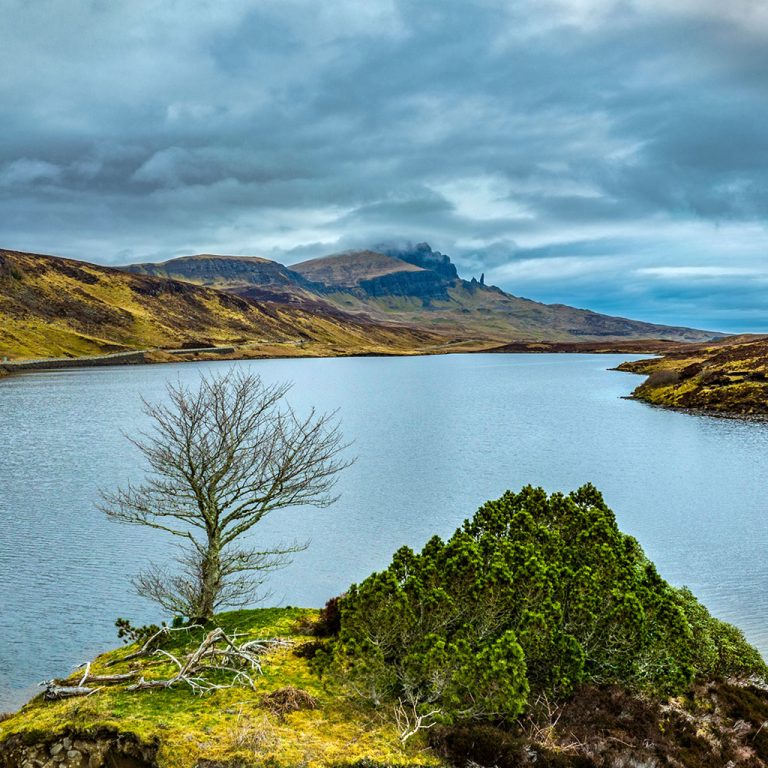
(535, 594)
(721, 651)
(128, 633)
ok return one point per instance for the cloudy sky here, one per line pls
(611, 154)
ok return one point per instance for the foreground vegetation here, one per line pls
(538, 633)
(234, 725)
(535, 596)
(728, 377)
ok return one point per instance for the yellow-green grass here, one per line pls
(728, 377)
(232, 725)
(52, 307)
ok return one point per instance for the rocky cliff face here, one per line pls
(424, 285)
(370, 274)
(422, 256)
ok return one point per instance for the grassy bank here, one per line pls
(727, 378)
(231, 726)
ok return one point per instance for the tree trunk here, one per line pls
(210, 581)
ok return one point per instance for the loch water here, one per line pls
(434, 437)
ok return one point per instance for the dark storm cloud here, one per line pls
(573, 149)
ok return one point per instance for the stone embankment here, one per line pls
(86, 750)
(45, 364)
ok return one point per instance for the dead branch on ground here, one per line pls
(218, 652)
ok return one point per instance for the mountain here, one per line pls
(410, 285)
(52, 307)
(224, 272)
(368, 274)
(421, 287)
(422, 256)
(407, 299)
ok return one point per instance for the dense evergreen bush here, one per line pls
(535, 595)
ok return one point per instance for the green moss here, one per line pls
(232, 724)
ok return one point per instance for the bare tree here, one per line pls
(220, 458)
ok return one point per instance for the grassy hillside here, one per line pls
(488, 312)
(52, 307)
(294, 718)
(371, 304)
(728, 377)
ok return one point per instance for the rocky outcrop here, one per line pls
(717, 725)
(422, 256)
(424, 285)
(71, 749)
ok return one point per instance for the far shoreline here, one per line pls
(309, 351)
(658, 348)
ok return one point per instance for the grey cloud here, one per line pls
(26, 171)
(607, 133)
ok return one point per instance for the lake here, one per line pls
(434, 437)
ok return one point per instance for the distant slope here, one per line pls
(728, 377)
(226, 272)
(348, 270)
(413, 286)
(52, 307)
(367, 274)
(419, 287)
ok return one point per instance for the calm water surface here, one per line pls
(434, 437)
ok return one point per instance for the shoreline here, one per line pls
(658, 348)
(755, 418)
(268, 352)
(725, 379)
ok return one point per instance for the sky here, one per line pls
(610, 154)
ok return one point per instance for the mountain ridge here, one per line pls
(357, 302)
(416, 286)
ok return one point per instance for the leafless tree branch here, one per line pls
(220, 458)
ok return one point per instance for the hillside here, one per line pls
(361, 302)
(52, 307)
(471, 308)
(728, 377)
(413, 286)
(232, 726)
(349, 270)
